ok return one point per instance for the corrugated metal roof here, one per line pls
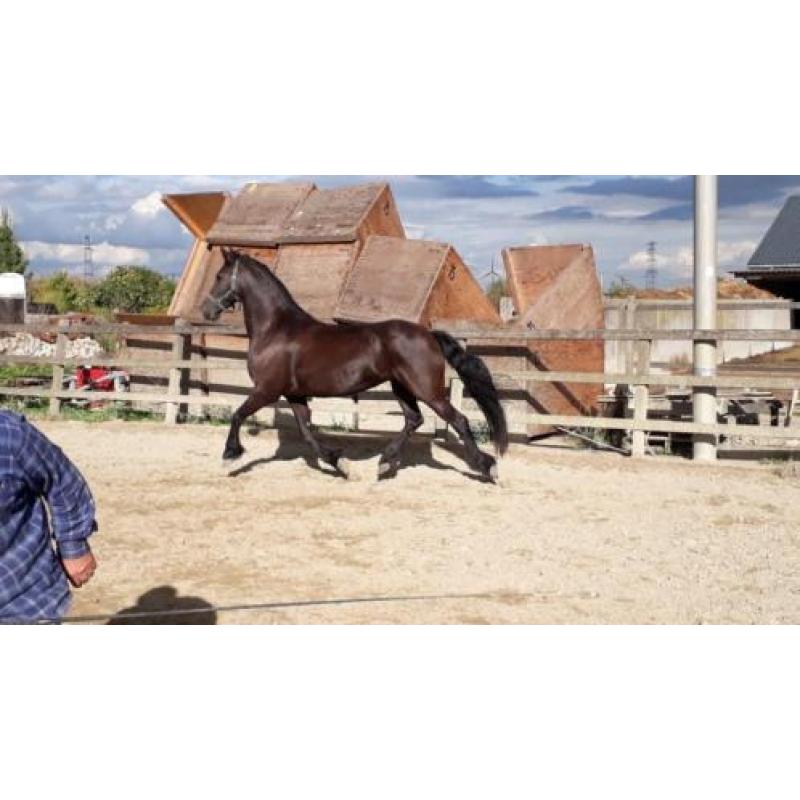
(780, 246)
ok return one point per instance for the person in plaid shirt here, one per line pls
(43, 498)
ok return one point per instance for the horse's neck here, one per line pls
(267, 307)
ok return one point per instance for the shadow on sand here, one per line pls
(420, 451)
(154, 607)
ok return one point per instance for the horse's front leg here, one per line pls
(233, 446)
(329, 455)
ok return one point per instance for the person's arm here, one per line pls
(72, 512)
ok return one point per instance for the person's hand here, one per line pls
(80, 570)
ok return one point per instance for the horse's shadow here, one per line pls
(356, 447)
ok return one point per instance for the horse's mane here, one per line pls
(266, 277)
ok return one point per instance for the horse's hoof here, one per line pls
(385, 467)
(343, 465)
(493, 473)
(233, 455)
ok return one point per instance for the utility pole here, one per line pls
(704, 398)
(88, 264)
(652, 272)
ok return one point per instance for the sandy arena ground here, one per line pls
(569, 536)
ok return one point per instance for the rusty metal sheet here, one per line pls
(331, 215)
(457, 295)
(314, 274)
(198, 211)
(392, 279)
(256, 216)
(555, 286)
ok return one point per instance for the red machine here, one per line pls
(98, 379)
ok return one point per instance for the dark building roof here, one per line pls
(775, 265)
(780, 246)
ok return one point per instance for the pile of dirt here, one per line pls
(788, 356)
(726, 290)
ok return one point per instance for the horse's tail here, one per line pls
(479, 383)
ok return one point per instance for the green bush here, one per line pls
(134, 289)
(59, 290)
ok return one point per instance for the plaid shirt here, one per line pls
(36, 477)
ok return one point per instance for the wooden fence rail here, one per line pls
(470, 332)
(181, 362)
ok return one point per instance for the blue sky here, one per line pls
(478, 214)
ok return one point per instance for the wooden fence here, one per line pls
(182, 362)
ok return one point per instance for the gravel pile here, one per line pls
(25, 344)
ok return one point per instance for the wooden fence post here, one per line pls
(457, 388)
(439, 425)
(199, 356)
(629, 324)
(457, 393)
(59, 354)
(178, 376)
(641, 397)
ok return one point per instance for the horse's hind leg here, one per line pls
(477, 459)
(330, 455)
(390, 460)
(233, 445)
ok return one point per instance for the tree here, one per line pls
(496, 289)
(12, 259)
(621, 288)
(134, 289)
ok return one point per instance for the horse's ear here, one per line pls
(226, 254)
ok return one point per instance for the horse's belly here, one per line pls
(334, 380)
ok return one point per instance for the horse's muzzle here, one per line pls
(210, 311)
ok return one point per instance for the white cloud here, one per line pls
(640, 260)
(104, 254)
(537, 239)
(113, 221)
(679, 262)
(148, 206)
(414, 231)
(735, 253)
(625, 212)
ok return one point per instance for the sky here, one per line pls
(478, 214)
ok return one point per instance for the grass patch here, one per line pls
(109, 413)
(222, 418)
(12, 372)
(30, 406)
(38, 408)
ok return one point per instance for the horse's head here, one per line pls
(224, 293)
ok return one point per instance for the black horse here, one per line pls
(293, 355)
